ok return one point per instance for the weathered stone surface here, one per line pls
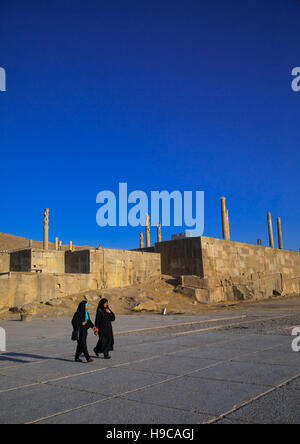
(54, 302)
(86, 270)
(26, 317)
(216, 258)
(230, 270)
(27, 308)
(4, 262)
(45, 261)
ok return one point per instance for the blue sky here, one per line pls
(163, 95)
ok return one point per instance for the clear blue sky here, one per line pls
(161, 94)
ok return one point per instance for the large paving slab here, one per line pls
(121, 411)
(39, 401)
(198, 395)
(259, 374)
(279, 407)
(111, 381)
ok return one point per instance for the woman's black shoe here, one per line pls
(107, 356)
(96, 353)
(78, 360)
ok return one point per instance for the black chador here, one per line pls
(104, 318)
(81, 322)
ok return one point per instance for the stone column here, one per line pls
(270, 229)
(46, 228)
(70, 246)
(159, 232)
(30, 243)
(258, 241)
(141, 240)
(225, 230)
(227, 223)
(56, 243)
(59, 245)
(279, 232)
(147, 231)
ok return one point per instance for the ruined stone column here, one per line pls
(225, 228)
(46, 228)
(147, 231)
(30, 243)
(159, 232)
(270, 229)
(258, 241)
(279, 232)
(56, 243)
(141, 240)
(227, 225)
(70, 246)
(59, 245)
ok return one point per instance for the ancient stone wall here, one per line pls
(209, 257)
(44, 261)
(4, 262)
(20, 260)
(181, 256)
(77, 261)
(87, 270)
(25, 288)
(223, 258)
(214, 270)
(48, 261)
(119, 268)
(116, 268)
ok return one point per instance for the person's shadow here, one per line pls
(15, 357)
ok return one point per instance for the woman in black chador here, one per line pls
(104, 318)
(81, 323)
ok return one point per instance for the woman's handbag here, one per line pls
(75, 335)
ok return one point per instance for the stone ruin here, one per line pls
(207, 269)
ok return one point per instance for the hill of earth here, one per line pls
(11, 242)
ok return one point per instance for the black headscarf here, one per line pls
(81, 310)
(101, 305)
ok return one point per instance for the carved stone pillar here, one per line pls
(46, 229)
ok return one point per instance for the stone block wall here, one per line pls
(45, 261)
(119, 268)
(4, 262)
(20, 261)
(116, 268)
(181, 257)
(235, 259)
(48, 261)
(214, 270)
(25, 288)
(86, 270)
(78, 261)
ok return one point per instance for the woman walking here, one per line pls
(103, 321)
(81, 323)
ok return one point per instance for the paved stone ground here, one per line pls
(233, 366)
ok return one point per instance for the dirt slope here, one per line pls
(11, 242)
